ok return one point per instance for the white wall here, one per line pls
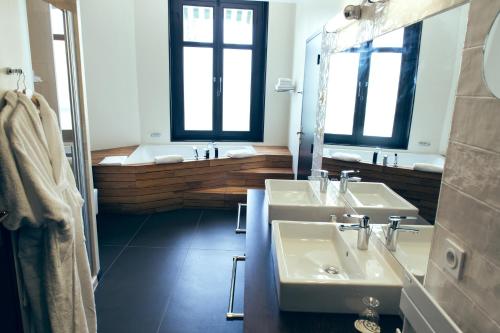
(108, 37)
(126, 45)
(280, 47)
(40, 34)
(310, 17)
(15, 49)
(152, 63)
(439, 64)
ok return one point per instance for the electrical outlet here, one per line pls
(424, 143)
(453, 260)
(155, 135)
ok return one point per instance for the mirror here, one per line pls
(491, 63)
(390, 103)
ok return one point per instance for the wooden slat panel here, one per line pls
(419, 188)
(115, 177)
(216, 183)
(99, 155)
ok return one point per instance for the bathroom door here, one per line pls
(309, 105)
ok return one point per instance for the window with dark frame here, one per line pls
(371, 91)
(217, 69)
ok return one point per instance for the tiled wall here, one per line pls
(469, 206)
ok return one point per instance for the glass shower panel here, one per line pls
(62, 84)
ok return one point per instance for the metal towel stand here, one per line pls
(240, 230)
(231, 315)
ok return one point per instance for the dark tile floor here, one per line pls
(168, 272)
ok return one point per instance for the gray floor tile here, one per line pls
(133, 294)
(170, 229)
(216, 231)
(107, 254)
(200, 300)
(117, 229)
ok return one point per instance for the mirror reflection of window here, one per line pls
(61, 68)
(371, 91)
(340, 114)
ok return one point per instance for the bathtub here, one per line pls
(145, 154)
(405, 159)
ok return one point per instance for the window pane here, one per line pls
(238, 26)
(237, 90)
(62, 84)
(342, 88)
(382, 94)
(198, 85)
(391, 39)
(198, 24)
(56, 21)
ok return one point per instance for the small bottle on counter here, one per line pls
(375, 157)
(385, 159)
(216, 151)
(396, 160)
(207, 154)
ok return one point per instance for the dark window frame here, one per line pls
(406, 94)
(259, 61)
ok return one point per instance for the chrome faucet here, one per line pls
(363, 227)
(195, 151)
(322, 176)
(393, 229)
(345, 178)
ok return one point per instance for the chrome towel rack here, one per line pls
(231, 315)
(240, 230)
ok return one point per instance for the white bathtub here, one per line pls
(145, 154)
(405, 159)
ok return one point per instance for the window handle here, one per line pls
(219, 92)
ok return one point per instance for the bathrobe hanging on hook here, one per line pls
(51, 250)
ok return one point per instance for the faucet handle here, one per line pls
(346, 173)
(395, 221)
(364, 220)
(319, 172)
(354, 179)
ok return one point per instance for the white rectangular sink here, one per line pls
(319, 269)
(377, 201)
(413, 249)
(301, 200)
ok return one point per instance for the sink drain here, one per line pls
(332, 270)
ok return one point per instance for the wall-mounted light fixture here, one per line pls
(352, 12)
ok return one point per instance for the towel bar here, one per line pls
(239, 230)
(230, 315)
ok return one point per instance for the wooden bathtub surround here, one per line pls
(216, 183)
(418, 187)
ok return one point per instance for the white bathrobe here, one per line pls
(48, 217)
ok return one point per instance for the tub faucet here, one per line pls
(393, 229)
(362, 227)
(195, 151)
(345, 178)
(322, 176)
